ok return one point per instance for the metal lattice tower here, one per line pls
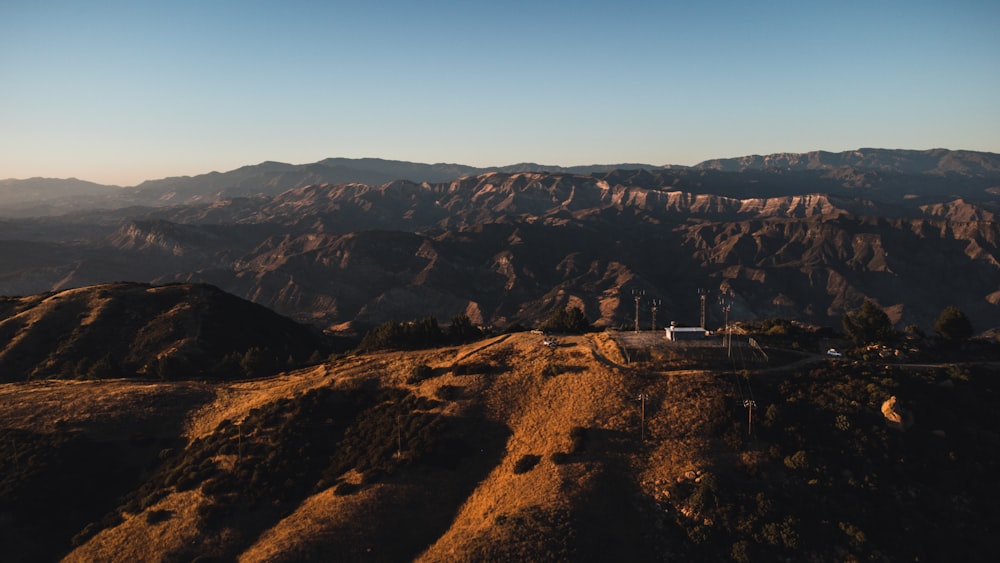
(702, 293)
(637, 294)
(726, 303)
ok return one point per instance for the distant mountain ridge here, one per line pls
(809, 241)
(46, 197)
(899, 161)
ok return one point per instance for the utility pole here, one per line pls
(637, 294)
(726, 302)
(702, 293)
(643, 397)
(239, 442)
(750, 404)
(656, 303)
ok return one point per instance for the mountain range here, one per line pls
(346, 244)
(179, 416)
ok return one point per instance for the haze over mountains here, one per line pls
(347, 244)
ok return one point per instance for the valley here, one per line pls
(807, 237)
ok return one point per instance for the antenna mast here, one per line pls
(702, 293)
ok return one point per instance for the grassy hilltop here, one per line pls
(507, 449)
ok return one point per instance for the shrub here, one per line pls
(569, 320)
(461, 329)
(345, 489)
(419, 373)
(526, 463)
(870, 324)
(798, 461)
(157, 516)
(952, 324)
(578, 439)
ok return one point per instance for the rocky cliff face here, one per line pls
(801, 236)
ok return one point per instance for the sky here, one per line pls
(118, 92)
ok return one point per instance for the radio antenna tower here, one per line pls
(702, 293)
(726, 302)
(637, 294)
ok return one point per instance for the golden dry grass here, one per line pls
(539, 394)
(136, 539)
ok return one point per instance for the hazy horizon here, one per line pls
(117, 93)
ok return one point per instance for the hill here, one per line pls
(506, 449)
(129, 329)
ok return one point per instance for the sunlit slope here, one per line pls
(504, 449)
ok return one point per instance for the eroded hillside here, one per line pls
(505, 449)
(809, 237)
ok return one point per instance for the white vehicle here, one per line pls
(833, 353)
(550, 342)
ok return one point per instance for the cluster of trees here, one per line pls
(870, 325)
(422, 333)
(568, 320)
(427, 333)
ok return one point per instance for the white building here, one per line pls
(675, 333)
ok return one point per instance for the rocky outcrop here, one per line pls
(896, 416)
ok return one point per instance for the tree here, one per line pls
(258, 362)
(868, 325)
(569, 319)
(952, 324)
(462, 329)
(422, 333)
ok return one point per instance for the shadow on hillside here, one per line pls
(416, 505)
(53, 484)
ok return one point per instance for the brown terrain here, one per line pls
(503, 449)
(184, 415)
(808, 237)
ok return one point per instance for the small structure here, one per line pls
(675, 333)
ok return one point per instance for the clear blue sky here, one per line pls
(118, 92)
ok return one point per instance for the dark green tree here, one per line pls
(422, 333)
(462, 329)
(103, 368)
(258, 362)
(868, 325)
(570, 320)
(952, 324)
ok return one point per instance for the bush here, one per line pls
(419, 373)
(157, 516)
(952, 324)
(578, 439)
(568, 320)
(462, 330)
(868, 325)
(345, 489)
(526, 463)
